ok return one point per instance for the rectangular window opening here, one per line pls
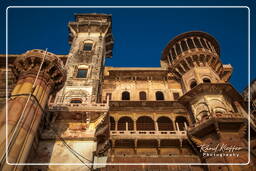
(176, 96)
(87, 46)
(81, 73)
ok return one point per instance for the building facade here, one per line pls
(72, 109)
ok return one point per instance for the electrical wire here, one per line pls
(75, 153)
(15, 132)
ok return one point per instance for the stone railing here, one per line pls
(79, 107)
(226, 115)
(219, 116)
(147, 134)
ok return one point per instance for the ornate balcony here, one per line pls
(82, 107)
(148, 134)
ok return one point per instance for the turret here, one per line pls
(39, 74)
(194, 58)
(217, 111)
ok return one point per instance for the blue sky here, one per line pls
(140, 34)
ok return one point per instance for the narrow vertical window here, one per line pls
(176, 96)
(81, 73)
(143, 95)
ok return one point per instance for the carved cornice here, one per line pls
(212, 88)
(52, 69)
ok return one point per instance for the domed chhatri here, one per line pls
(193, 49)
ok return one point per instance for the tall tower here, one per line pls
(91, 42)
(216, 107)
(76, 110)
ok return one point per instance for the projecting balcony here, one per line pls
(214, 121)
(87, 107)
(77, 103)
(148, 135)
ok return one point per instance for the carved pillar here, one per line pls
(156, 126)
(135, 126)
(206, 44)
(180, 47)
(116, 125)
(174, 47)
(186, 41)
(201, 43)
(192, 38)
(23, 111)
(171, 56)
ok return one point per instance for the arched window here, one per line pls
(202, 112)
(143, 95)
(181, 122)
(219, 110)
(193, 84)
(159, 95)
(203, 115)
(112, 123)
(125, 123)
(76, 100)
(125, 95)
(145, 123)
(218, 106)
(206, 80)
(164, 123)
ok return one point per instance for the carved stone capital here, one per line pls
(52, 70)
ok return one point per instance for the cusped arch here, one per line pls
(217, 106)
(202, 111)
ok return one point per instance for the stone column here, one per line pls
(23, 110)
(192, 38)
(186, 41)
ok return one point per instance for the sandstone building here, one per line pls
(74, 109)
